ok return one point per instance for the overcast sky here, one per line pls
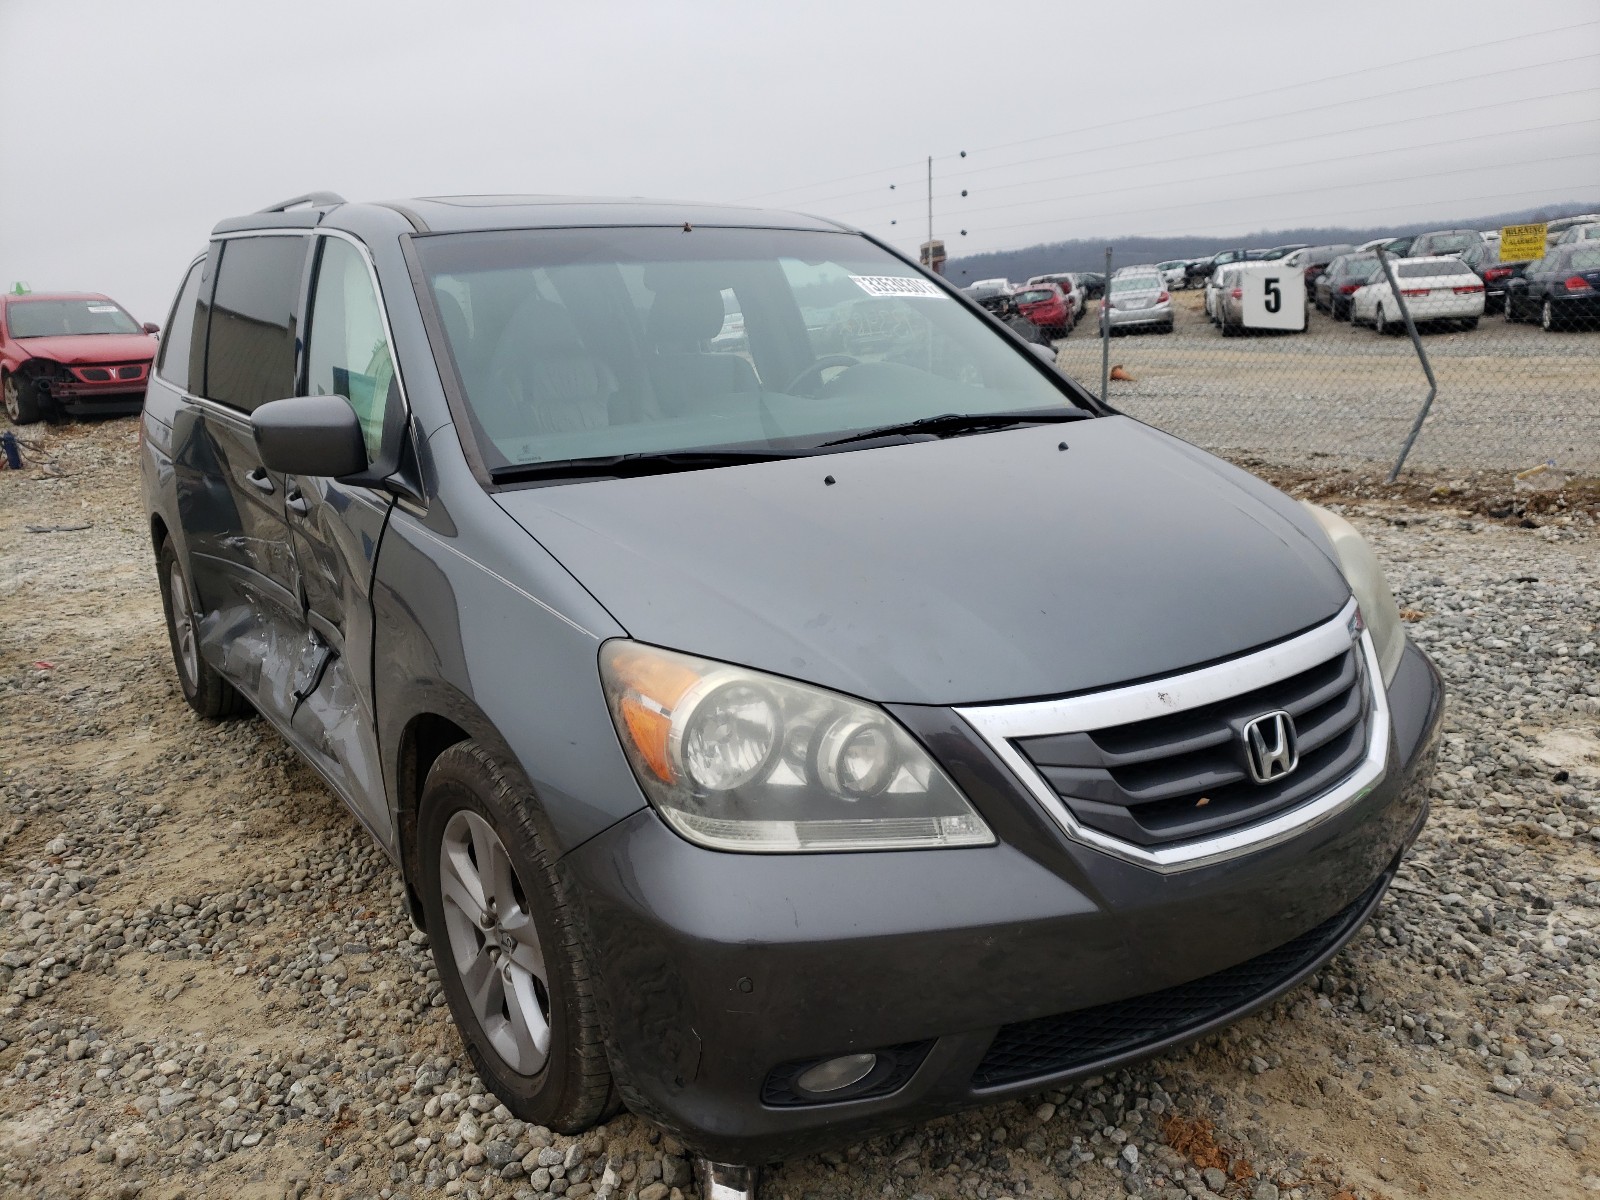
(131, 128)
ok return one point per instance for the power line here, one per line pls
(1494, 44)
(1190, 133)
(1497, 43)
(1288, 222)
(1273, 166)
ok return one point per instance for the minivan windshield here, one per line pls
(67, 318)
(577, 344)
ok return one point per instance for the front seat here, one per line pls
(683, 317)
(540, 380)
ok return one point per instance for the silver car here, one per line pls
(1138, 301)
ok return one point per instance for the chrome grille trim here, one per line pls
(999, 724)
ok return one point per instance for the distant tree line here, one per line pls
(1089, 254)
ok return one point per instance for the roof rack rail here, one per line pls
(315, 199)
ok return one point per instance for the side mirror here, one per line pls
(151, 328)
(1044, 352)
(310, 435)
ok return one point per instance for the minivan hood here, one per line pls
(979, 568)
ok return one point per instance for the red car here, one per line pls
(71, 352)
(1046, 305)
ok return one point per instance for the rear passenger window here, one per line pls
(349, 352)
(173, 365)
(250, 352)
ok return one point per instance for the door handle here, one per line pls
(296, 503)
(260, 480)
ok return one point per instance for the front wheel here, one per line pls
(505, 939)
(22, 407)
(206, 691)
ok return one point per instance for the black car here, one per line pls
(1093, 283)
(1562, 289)
(1314, 260)
(1339, 282)
(1443, 241)
(1276, 252)
(1485, 260)
(1205, 268)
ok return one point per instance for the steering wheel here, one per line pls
(817, 368)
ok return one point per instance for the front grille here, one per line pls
(1184, 775)
(129, 371)
(1050, 1045)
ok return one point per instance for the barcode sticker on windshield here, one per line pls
(102, 308)
(896, 285)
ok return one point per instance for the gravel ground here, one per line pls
(208, 987)
(1509, 395)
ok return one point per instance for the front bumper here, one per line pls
(1002, 968)
(71, 393)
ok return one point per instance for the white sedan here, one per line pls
(1441, 288)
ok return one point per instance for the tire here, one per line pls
(206, 691)
(1547, 317)
(1227, 330)
(1470, 323)
(1380, 323)
(22, 408)
(1507, 312)
(472, 810)
(1167, 328)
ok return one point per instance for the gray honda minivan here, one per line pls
(794, 707)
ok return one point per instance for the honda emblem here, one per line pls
(1270, 746)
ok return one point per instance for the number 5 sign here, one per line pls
(1274, 297)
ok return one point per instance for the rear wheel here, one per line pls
(207, 692)
(22, 407)
(1380, 323)
(505, 939)
(1547, 317)
(1470, 323)
(1508, 311)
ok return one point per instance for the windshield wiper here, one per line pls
(655, 462)
(949, 424)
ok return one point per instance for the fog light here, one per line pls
(837, 1073)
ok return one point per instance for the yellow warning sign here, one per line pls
(1519, 242)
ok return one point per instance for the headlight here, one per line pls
(1371, 589)
(739, 760)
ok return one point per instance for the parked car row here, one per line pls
(1047, 306)
(1457, 276)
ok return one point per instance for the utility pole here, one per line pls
(930, 212)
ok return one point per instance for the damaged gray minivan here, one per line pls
(794, 707)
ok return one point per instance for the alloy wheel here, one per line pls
(183, 628)
(494, 943)
(13, 404)
(1547, 317)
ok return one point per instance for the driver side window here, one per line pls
(349, 354)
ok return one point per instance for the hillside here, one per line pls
(1089, 254)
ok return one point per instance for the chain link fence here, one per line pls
(1346, 380)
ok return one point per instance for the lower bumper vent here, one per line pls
(1050, 1045)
